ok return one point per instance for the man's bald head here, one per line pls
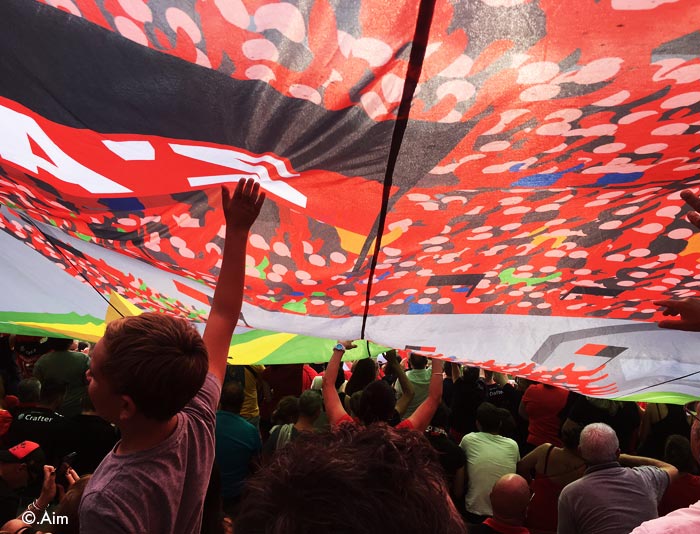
(510, 498)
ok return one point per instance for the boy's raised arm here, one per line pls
(241, 210)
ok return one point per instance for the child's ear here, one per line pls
(128, 409)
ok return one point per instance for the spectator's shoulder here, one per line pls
(101, 511)
(208, 395)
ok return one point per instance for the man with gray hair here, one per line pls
(618, 491)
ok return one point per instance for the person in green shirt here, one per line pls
(61, 365)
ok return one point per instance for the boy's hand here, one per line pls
(243, 208)
(240, 211)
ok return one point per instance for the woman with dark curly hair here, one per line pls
(373, 479)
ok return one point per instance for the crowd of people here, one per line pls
(154, 432)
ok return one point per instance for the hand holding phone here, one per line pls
(63, 468)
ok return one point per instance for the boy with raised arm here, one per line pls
(159, 381)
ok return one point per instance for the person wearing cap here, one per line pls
(19, 466)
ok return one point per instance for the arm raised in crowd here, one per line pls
(331, 400)
(241, 210)
(407, 391)
(687, 308)
(420, 419)
(693, 201)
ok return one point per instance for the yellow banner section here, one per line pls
(86, 332)
(257, 349)
(120, 307)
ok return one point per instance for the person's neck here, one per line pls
(304, 424)
(144, 434)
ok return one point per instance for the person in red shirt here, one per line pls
(307, 377)
(541, 406)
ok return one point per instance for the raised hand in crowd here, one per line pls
(420, 419)
(408, 392)
(693, 201)
(687, 308)
(240, 210)
(331, 400)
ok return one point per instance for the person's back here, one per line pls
(159, 381)
(467, 395)
(237, 444)
(65, 366)
(42, 424)
(489, 457)
(542, 404)
(419, 375)
(617, 499)
(610, 498)
(549, 470)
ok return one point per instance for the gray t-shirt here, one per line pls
(611, 499)
(161, 490)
